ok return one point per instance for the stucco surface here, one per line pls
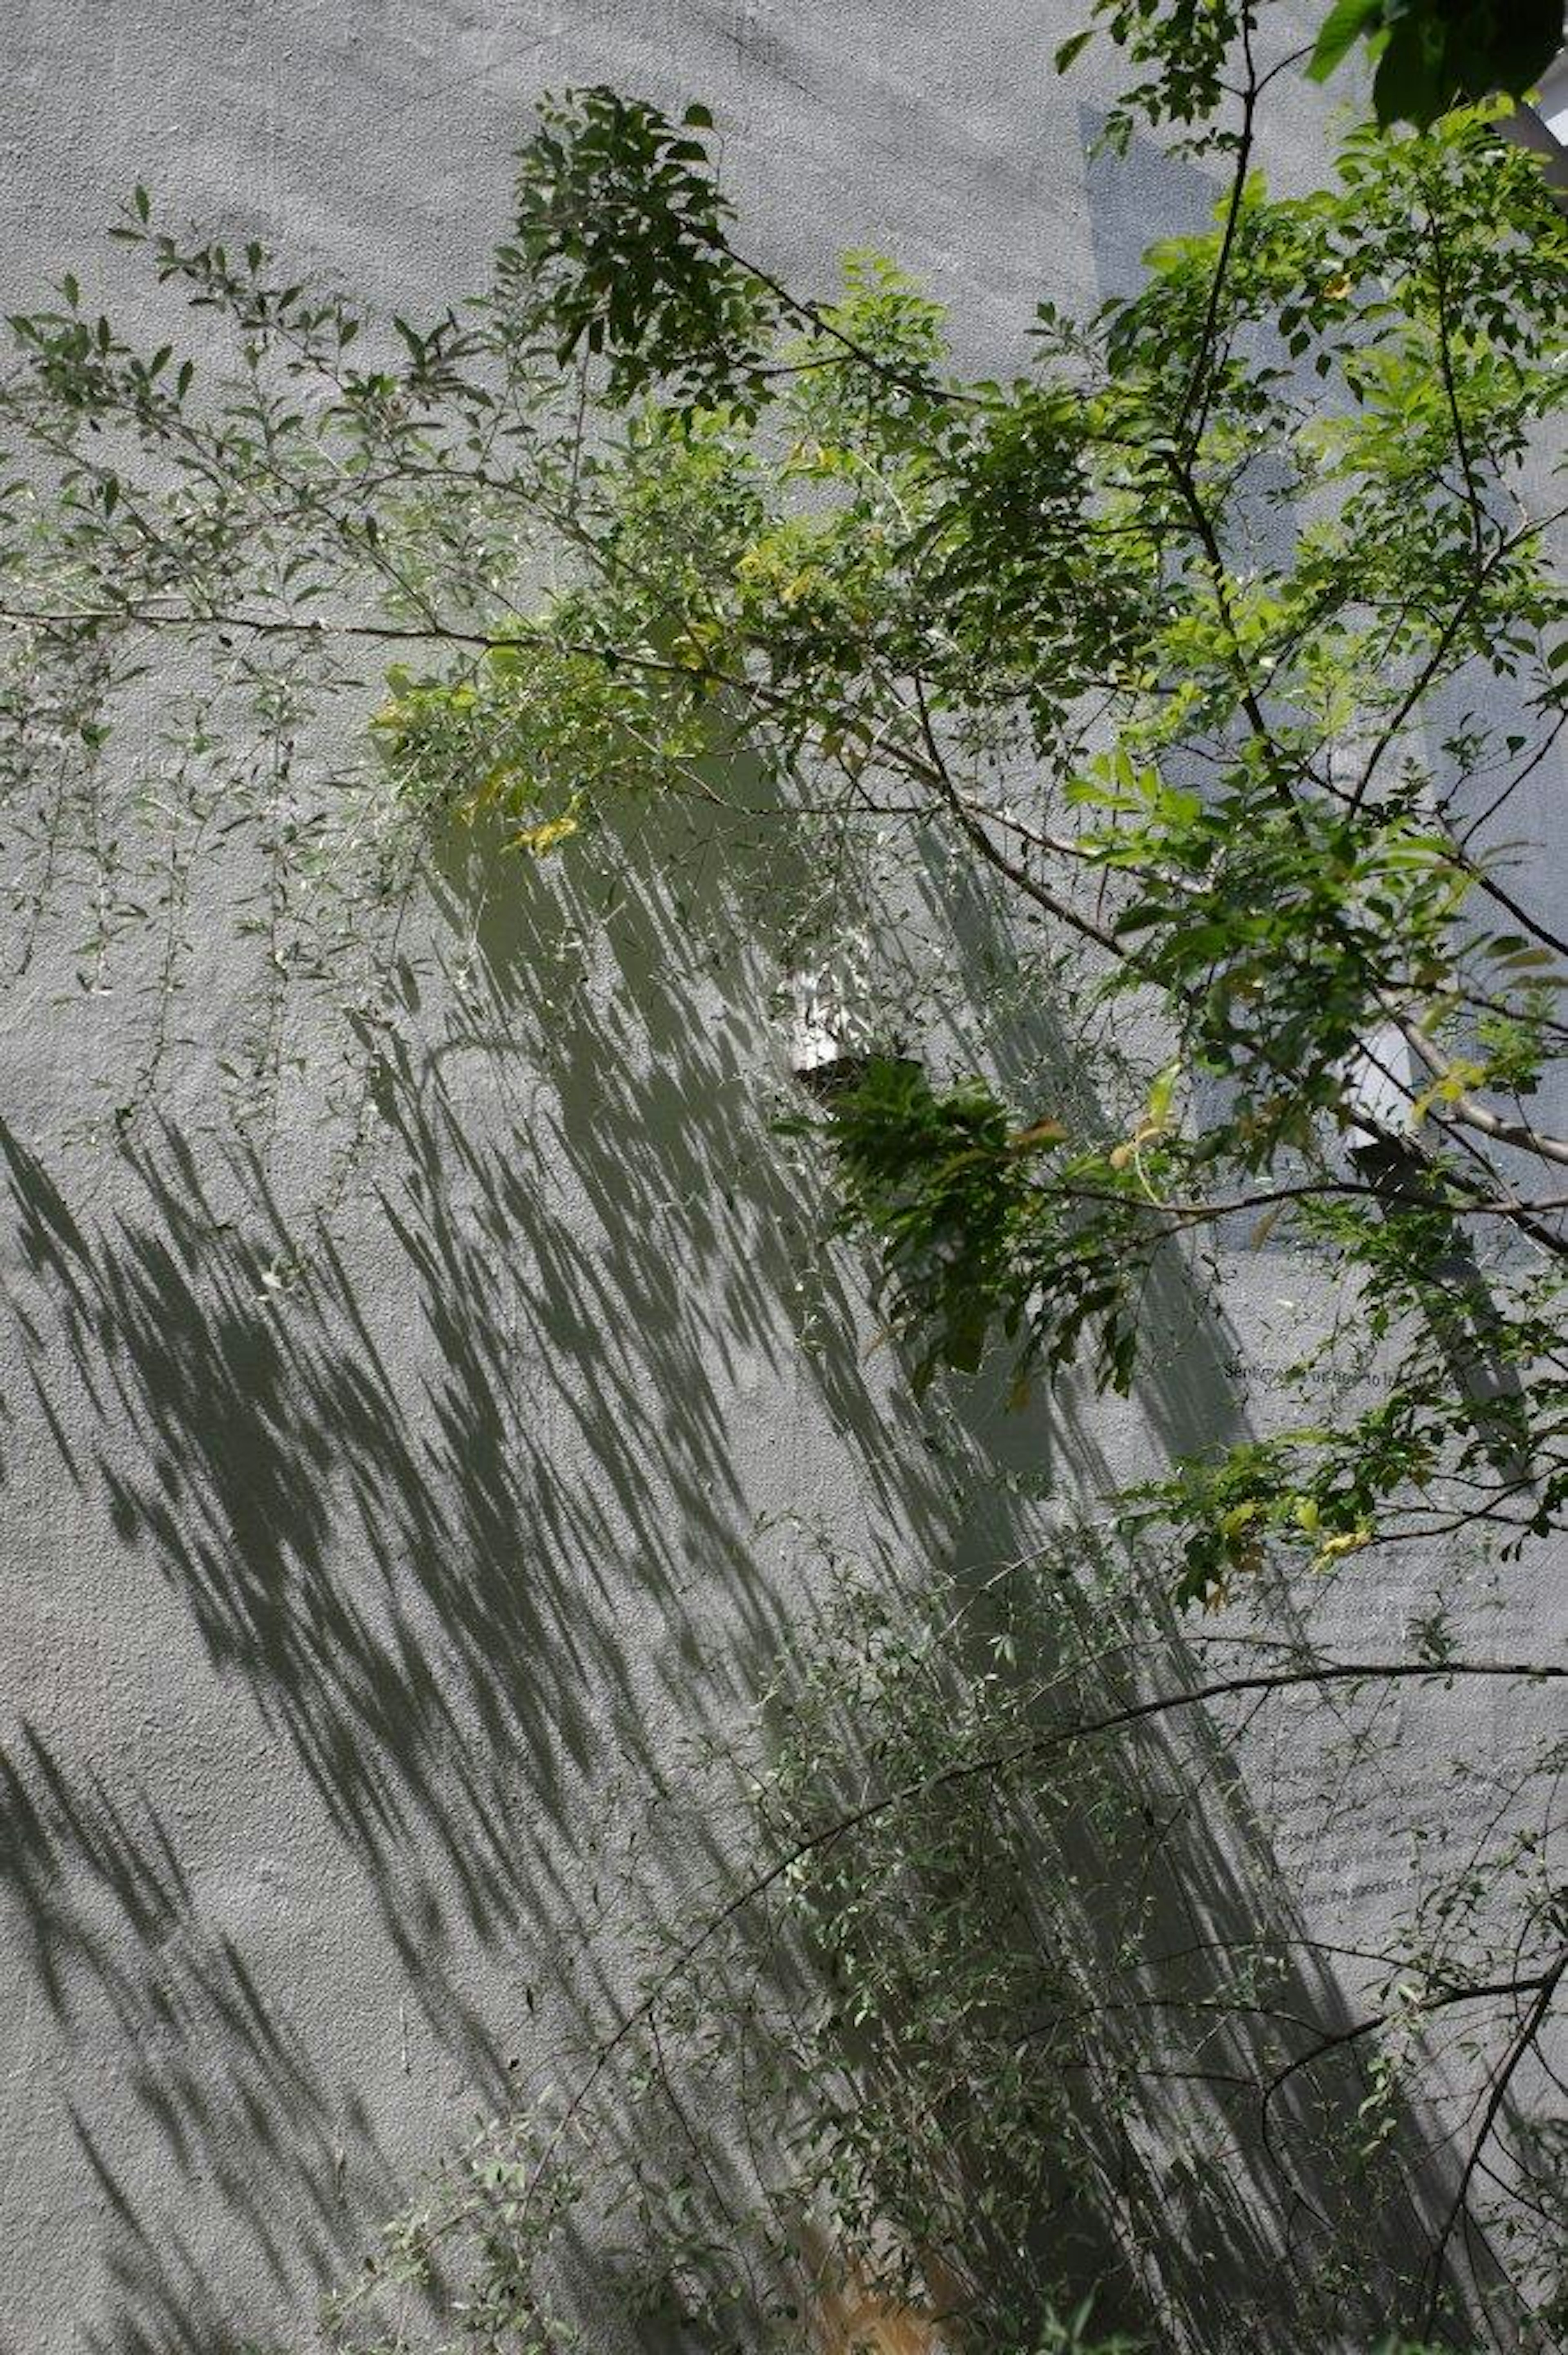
(338, 1626)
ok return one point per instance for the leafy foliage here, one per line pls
(1202, 663)
(1429, 56)
(620, 244)
(1435, 54)
(987, 2033)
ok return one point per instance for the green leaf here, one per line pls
(1161, 1095)
(1416, 79)
(1344, 24)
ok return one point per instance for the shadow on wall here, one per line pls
(229, 2097)
(462, 1497)
(467, 1498)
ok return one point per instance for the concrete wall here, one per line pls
(338, 1626)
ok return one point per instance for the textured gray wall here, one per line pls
(334, 1629)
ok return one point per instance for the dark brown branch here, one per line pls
(1201, 384)
(1530, 2027)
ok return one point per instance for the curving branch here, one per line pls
(1529, 2029)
